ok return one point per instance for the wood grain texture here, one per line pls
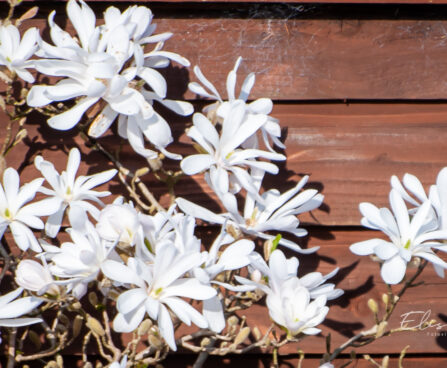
(350, 152)
(301, 56)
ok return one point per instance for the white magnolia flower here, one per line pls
(69, 191)
(119, 222)
(32, 276)
(158, 287)
(11, 308)
(260, 108)
(79, 261)
(281, 269)
(18, 216)
(14, 53)
(223, 152)
(235, 256)
(292, 309)
(327, 365)
(409, 238)
(413, 192)
(271, 211)
(108, 64)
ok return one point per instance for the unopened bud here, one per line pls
(75, 306)
(372, 305)
(77, 325)
(59, 361)
(205, 342)
(155, 342)
(233, 321)
(52, 364)
(257, 334)
(385, 361)
(93, 298)
(144, 327)
(95, 326)
(381, 329)
(242, 335)
(256, 276)
(385, 299)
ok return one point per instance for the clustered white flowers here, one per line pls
(153, 265)
(414, 233)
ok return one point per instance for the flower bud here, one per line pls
(93, 298)
(256, 276)
(381, 329)
(385, 361)
(232, 321)
(205, 342)
(77, 325)
(144, 327)
(95, 326)
(372, 305)
(155, 342)
(257, 334)
(242, 336)
(385, 299)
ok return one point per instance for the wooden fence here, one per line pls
(360, 91)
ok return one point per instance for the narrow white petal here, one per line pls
(71, 117)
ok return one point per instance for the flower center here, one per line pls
(407, 244)
(7, 214)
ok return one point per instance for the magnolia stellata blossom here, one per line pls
(271, 211)
(223, 150)
(235, 256)
(158, 287)
(70, 191)
(281, 269)
(14, 53)
(260, 108)
(292, 309)
(20, 217)
(80, 260)
(119, 222)
(109, 64)
(409, 238)
(12, 309)
(437, 194)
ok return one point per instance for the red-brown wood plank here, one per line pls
(305, 58)
(349, 151)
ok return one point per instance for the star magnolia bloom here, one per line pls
(14, 53)
(11, 309)
(223, 152)
(281, 270)
(271, 211)
(292, 309)
(437, 194)
(20, 218)
(157, 288)
(260, 108)
(100, 67)
(235, 256)
(408, 238)
(80, 260)
(70, 191)
(119, 222)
